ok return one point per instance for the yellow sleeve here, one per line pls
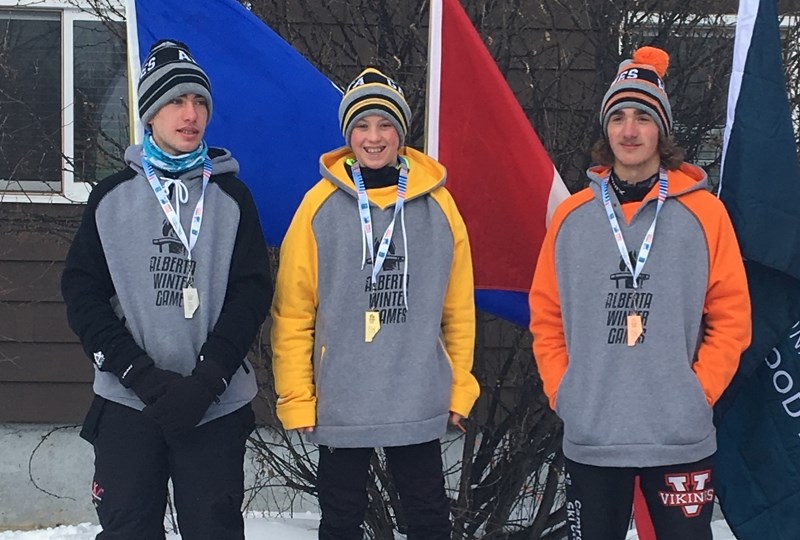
(294, 309)
(458, 312)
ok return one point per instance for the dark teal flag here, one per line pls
(758, 417)
(273, 110)
(758, 459)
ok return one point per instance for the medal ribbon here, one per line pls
(647, 243)
(169, 211)
(366, 219)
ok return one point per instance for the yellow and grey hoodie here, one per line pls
(399, 388)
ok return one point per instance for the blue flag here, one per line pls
(272, 109)
(758, 417)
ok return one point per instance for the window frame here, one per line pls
(70, 12)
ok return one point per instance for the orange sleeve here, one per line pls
(549, 346)
(726, 312)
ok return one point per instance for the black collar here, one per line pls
(631, 192)
(376, 178)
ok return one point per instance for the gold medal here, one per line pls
(372, 324)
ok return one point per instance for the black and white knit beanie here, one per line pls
(640, 84)
(170, 71)
(372, 92)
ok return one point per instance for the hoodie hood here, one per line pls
(424, 175)
(222, 162)
(684, 179)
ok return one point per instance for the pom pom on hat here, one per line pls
(652, 56)
(639, 84)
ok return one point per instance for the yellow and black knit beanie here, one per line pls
(372, 92)
(640, 84)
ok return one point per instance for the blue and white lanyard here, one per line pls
(647, 243)
(169, 211)
(366, 219)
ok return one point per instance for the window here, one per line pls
(63, 101)
(100, 96)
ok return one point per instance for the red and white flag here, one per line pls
(500, 175)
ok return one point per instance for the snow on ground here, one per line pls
(300, 527)
(720, 531)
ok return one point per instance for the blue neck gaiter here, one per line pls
(174, 164)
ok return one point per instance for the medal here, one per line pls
(634, 319)
(634, 328)
(372, 324)
(191, 298)
(191, 301)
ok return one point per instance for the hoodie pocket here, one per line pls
(446, 356)
(91, 422)
(319, 368)
(561, 391)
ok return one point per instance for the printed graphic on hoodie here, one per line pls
(624, 300)
(387, 294)
(169, 267)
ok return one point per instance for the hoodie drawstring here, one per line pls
(182, 196)
(181, 193)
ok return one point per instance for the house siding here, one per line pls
(44, 375)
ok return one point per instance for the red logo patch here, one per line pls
(97, 494)
(689, 491)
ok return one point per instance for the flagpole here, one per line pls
(135, 128)
(434, 79)
(745, 23)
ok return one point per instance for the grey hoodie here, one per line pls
(649, 404)
(398, 388)
(126, 269)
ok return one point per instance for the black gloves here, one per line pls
(182, 406)
(146, 380)
(185, 401)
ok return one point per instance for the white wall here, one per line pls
(60, 463)
(61, 467)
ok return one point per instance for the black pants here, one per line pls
(417, 472)
(133, 462)
(680, 500)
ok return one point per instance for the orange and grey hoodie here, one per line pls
(649, 404)
(397, 389)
